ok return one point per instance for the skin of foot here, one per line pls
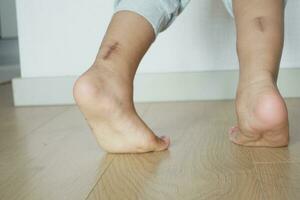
(261, 111)
(104, 93)
(262, 115)
(103, 96)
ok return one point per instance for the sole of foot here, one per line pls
(105, 99)
(262, 116)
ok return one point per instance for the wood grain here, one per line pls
(200, 164)
(17, 122)
(47, 152)
(59, 159)
(280, 180)
(50, 153)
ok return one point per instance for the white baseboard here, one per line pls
(206, 85)
(9, 72)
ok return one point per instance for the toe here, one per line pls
(161, 143)
(240, 138)
(237, 137)
(233, 134)
(233, 129)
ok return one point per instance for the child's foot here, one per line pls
(105, 98)
(262, 115)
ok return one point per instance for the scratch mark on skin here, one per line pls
(260, 23)
(110, 50)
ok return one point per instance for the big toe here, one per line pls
(237, 137)
(161, 143)
(233, 134)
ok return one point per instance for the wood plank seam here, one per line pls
(99, 179)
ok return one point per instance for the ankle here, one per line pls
(258, 77)
(115, 68)
(103, 85)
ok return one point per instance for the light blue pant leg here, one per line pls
(229, 7)
(160, 13)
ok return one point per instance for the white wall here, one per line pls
(8, 19)
(61, 38)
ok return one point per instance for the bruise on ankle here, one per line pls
(260, 23)
(108, 50)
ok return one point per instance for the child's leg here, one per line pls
(261, 111)
(105, 92)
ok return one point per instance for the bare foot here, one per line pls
(262, 115)
(105, 98)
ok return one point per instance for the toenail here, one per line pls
(165, 139)
(230, 131)
(233, 135)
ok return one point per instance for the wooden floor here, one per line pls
(50, 153)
